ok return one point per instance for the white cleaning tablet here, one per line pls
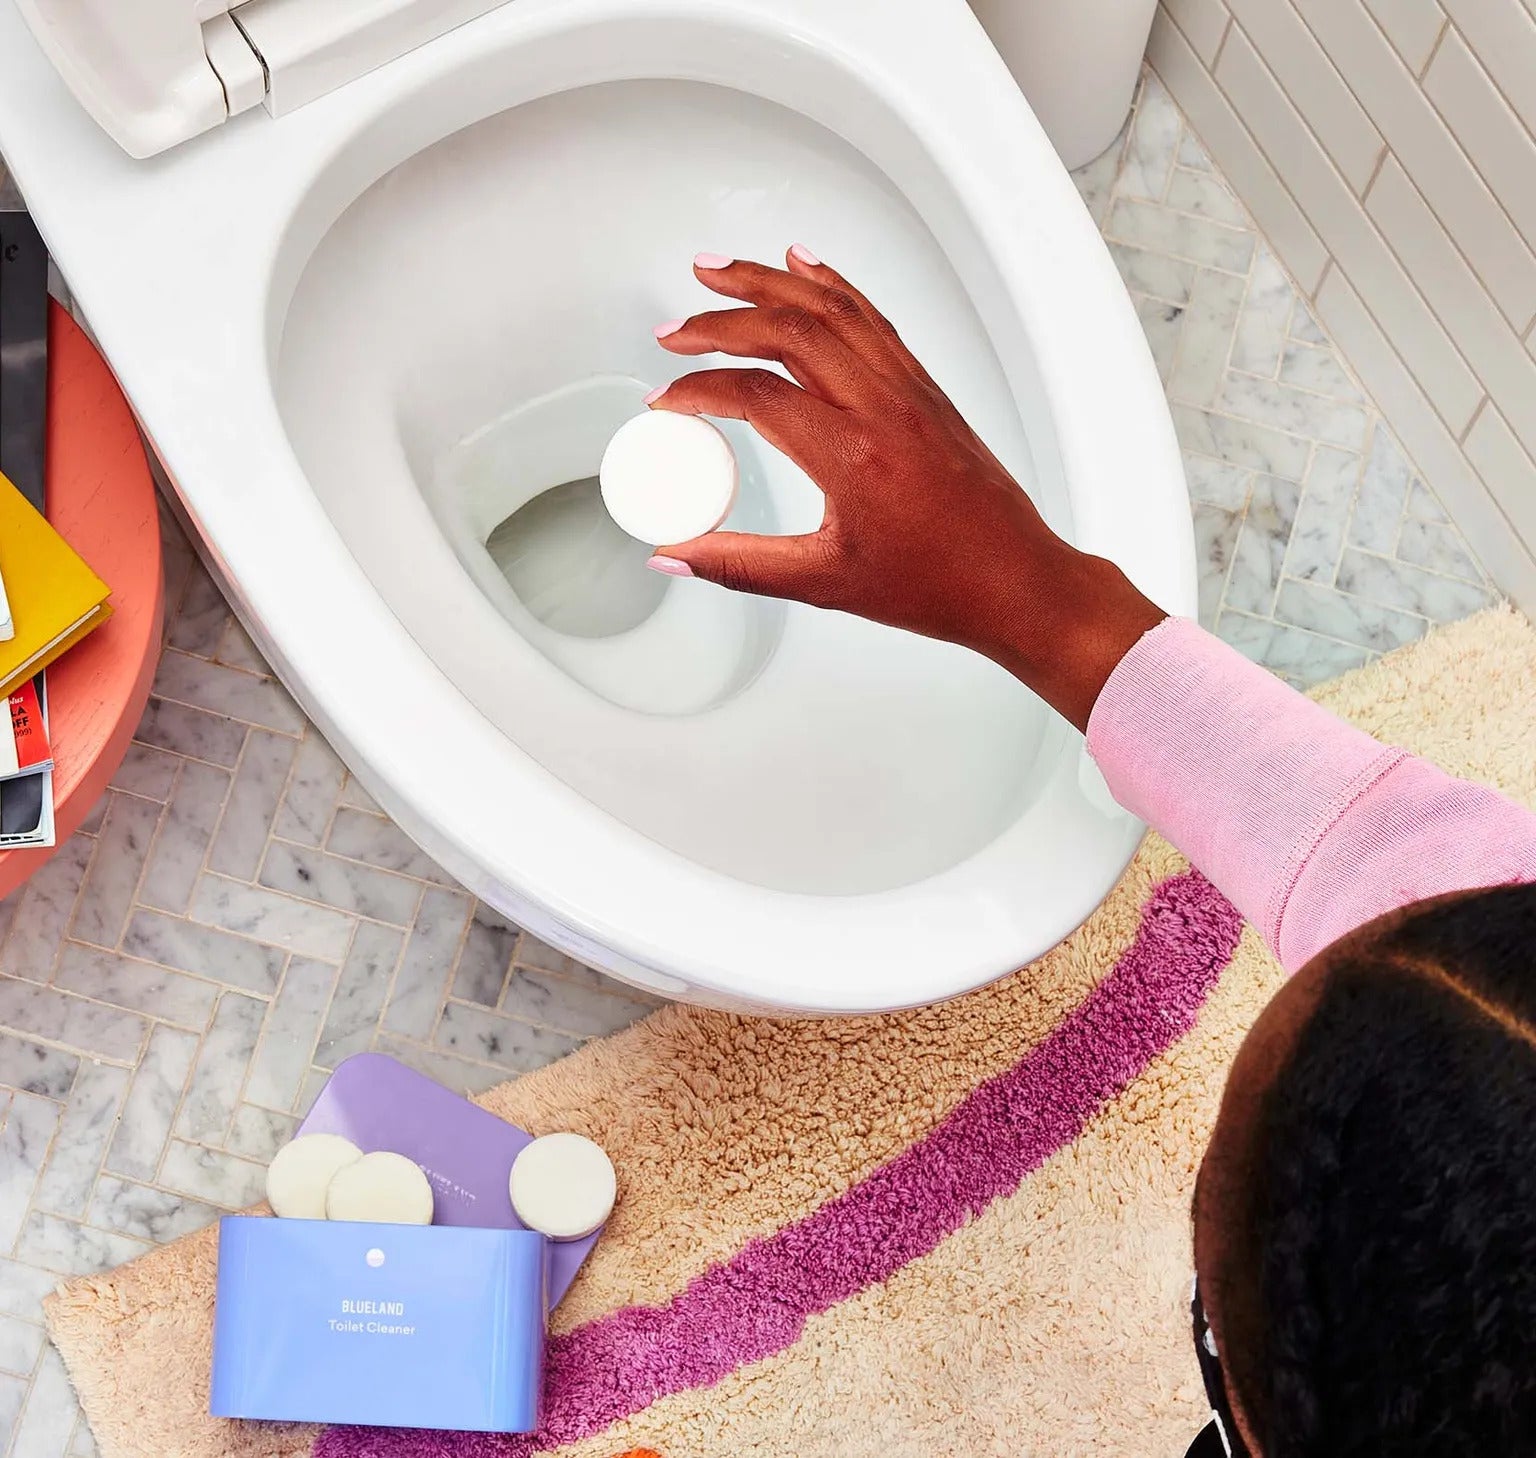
(302, 1170)
(668, 478)
(563, 1186)
(383, 1188)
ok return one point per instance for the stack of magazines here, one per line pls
(26, 771)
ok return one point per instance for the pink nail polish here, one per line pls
(670, 327)
(804, 254)
(712, 260)
(670, 566)
(655, 395)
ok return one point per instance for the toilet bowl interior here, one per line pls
(460, 345)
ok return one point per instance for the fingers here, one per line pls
(808, 430)
(797, 568)
(788, 334)
(802, 263)
(841, 309)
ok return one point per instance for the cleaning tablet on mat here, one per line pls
(301, 1172)
(563, 1186)
(668, 478)
(382, 1188)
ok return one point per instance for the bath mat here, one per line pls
(961, 1231)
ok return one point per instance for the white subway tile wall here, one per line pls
(1388, 148)
(178, 981)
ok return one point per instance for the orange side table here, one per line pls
(101, 499)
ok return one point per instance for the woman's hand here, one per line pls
(923, 528)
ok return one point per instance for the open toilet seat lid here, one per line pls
(153, 73)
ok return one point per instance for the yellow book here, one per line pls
(55, 599)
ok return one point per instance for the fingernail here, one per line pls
(712, 260)
(670, 566)
(670, 327)
(655, 395)
(804, 254)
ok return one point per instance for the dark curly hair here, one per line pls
(1395, 1216)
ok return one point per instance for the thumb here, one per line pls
(792, 567)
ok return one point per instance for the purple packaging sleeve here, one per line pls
(412, 1326)
(379, 1103)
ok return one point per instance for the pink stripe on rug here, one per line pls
(757, 1302)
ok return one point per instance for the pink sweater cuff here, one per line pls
(1309, 826)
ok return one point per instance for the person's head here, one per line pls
(1365, 1218)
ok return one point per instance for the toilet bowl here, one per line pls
(379, 341)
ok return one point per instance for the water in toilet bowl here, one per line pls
(520, 502)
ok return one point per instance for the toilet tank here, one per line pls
(155, 72)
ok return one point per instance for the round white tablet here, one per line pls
(382, 1188)
(668, 478)
(563, 1186)
(302, 1170)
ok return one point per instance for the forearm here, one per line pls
(1308, 825)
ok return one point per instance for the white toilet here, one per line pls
(378, 328)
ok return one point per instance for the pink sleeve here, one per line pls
(1309, 827)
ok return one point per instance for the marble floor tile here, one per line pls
(1411, 589)
(361, 989)
(85, 1129)
(421, 982)
(1384, 488)
(181, 843)
(1218, 482)
(191, 733)
(212, 1176)
(1438, 547)
(485, 960)
(273, 918)
(35, 1069)
(173, 997)
(149, 1111)
(25, 1138)
(239, 915)
(292, 1029)
(21, 1344)
(490, 1037)
(188, 947)
(1161, 231)
(1350, 619)
(70, 1248)
(1154, 274)
(198, 622)
(112, 880)
(1216, 532)
(258, 1134)
(1296, 412)
(310, 796)
(1308, 367)
(46, 1427)
(1322, 514)
(362, 836)
(146, 1213)
(1204, 195)
(42, 909)
(1263, 327)
(219, 1073)
(1262, 545)
(1152, 147)
(61, 1017)
(1207, 338)
(228, 692)
(349, 886)
(1242, 442)
(147, 771)
(254, 798)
